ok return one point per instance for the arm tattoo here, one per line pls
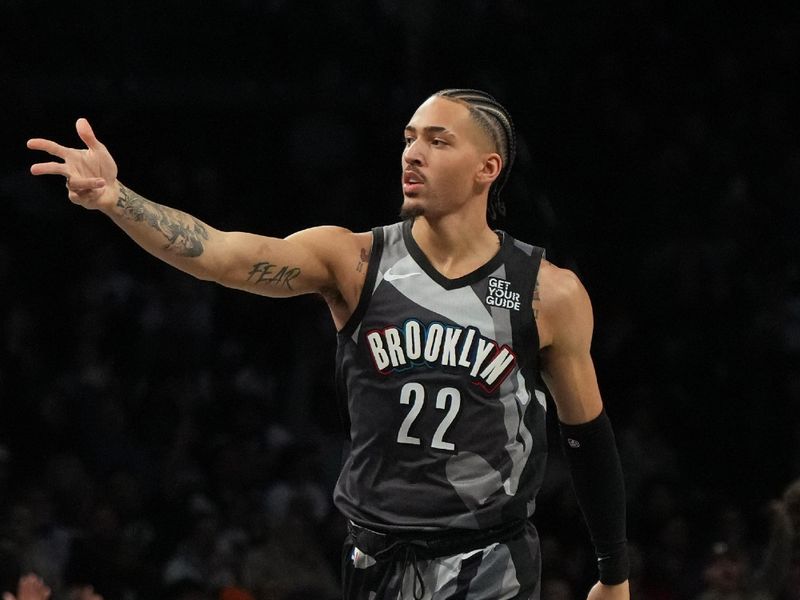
(363, 259)
(184, 239)
(271, 274)
(536, 299)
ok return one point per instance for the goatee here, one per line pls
(411, 212)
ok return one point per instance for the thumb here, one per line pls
(8, 596)
(87, 134)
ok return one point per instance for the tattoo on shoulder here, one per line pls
(268, 273)
(184, 233)
(362, 260)
(536, 299)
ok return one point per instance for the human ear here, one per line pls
(490, 168)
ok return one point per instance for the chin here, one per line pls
(411, 209)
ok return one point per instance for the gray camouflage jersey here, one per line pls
(440, 384)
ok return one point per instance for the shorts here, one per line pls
(505, 570)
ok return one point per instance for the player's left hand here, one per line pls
(601, 591)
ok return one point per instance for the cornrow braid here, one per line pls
(494, 119)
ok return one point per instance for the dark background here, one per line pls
(659, 159)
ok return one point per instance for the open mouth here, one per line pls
(412, 182)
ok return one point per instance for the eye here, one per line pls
(438, 142)
(408, 140)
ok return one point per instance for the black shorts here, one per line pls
(500, 570)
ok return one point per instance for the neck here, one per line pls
(455, 245)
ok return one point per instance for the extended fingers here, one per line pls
(74, 183)
(48, 146)
(49, 168)
(86, 133)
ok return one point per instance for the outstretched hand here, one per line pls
(91, 173)
(30, 587)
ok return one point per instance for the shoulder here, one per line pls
(326, 235)
(560, 285)
(564, 310)
(332, 244)
(345, 255)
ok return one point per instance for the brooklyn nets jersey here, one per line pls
(441, 388)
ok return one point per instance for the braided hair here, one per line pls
(494, 119)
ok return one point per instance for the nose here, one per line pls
(412, 155)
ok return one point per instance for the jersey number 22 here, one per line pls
(447, 399)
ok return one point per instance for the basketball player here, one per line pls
(445, 327)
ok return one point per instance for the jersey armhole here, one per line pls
(537, 256)
(369, 283)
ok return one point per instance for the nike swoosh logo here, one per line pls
(389, 276)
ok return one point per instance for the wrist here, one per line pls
(615, 586)
(108, 201)
(613, 565)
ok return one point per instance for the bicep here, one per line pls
(299, 264)
(568, 369)
(572, 381)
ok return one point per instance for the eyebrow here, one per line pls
(430, 129)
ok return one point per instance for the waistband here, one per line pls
(428, 545)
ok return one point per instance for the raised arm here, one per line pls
(309, 261)
(565, 321)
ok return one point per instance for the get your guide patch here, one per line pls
(501, 295)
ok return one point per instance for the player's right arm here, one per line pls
(302, 263)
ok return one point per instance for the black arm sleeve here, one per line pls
(594, 463)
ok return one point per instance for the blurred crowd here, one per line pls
(164, 438)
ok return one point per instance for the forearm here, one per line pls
(171, 235)
(599, 486)
(258, 264)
